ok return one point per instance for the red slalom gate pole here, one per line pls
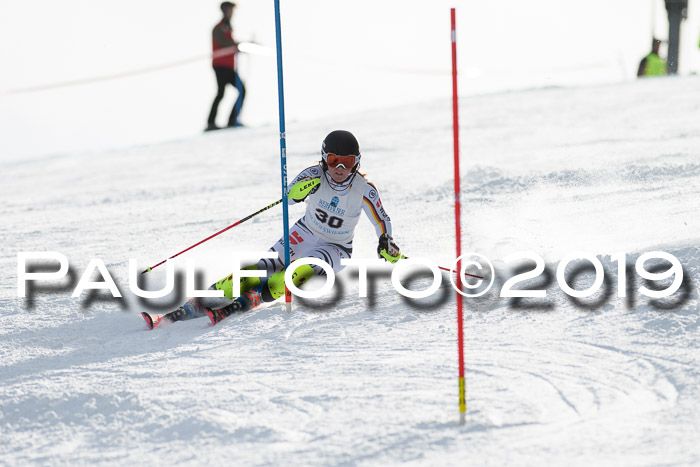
(458, 226)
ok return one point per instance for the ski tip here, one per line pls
(148, 319)
(288, 307)
(212, 317)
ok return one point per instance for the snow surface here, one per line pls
(369, 381)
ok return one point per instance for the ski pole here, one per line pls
(393, 260)
(217, 233)
(466, 274)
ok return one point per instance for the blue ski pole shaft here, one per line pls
(283, 150)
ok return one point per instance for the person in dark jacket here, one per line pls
(224, 50)
(652, 64)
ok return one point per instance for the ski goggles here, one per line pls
(334, 160)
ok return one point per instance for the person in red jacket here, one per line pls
(224, 53)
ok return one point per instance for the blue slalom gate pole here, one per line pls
(283, 151)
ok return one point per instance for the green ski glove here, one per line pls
(304, 188)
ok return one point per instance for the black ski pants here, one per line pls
(226, 76)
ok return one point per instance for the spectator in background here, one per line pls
(225, 49)
(652, 64)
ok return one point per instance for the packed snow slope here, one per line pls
(370, 381)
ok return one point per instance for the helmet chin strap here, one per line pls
(343, 186)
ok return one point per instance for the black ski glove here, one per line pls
(388, 249)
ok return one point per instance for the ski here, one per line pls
(246, 302)
(215, 316)
(152, 321)
(190, 309)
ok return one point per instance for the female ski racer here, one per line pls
(335, 193)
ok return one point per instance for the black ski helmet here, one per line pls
(342, 143)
